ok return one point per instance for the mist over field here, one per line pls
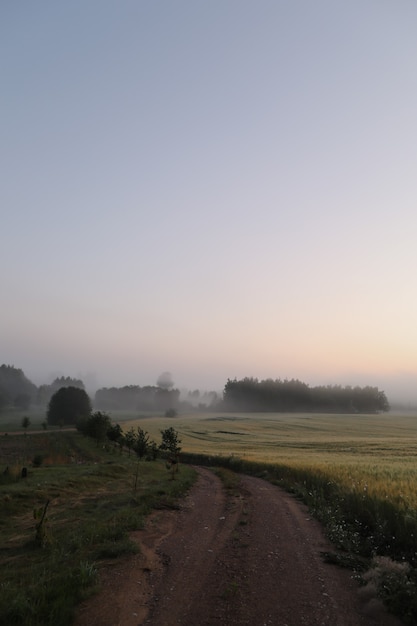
(401, 389)
(219, 190)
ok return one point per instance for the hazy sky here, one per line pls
(216, 188)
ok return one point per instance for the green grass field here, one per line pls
(11, 419)
(94, 498)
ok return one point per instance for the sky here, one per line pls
(217, 189)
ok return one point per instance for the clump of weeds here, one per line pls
(395, 584)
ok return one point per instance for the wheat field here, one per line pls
(373, 454)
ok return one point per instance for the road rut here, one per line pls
(247, 558)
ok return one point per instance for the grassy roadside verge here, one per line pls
(96, 498)
(376, 538)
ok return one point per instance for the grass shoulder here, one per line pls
(64, 518)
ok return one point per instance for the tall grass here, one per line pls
(361, 520)
(360, 516)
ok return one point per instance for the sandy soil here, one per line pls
(248, 559)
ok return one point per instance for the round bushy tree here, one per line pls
(68, 405)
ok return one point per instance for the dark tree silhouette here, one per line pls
(15, 388)
(45, 392)
(96, 426)
(171, 444)
(115, 433)
(68, 405)
(130, 439)
(250, 394)
(141, 442)
(170, 441)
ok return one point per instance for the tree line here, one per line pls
(250, 394)
(98, 426)
(136, 398)
(247, 394)
(70, 405)
(17, 391)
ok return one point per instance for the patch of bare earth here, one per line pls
(248, 559)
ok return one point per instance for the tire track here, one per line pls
(249, 558)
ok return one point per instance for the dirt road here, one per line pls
(247, 559)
